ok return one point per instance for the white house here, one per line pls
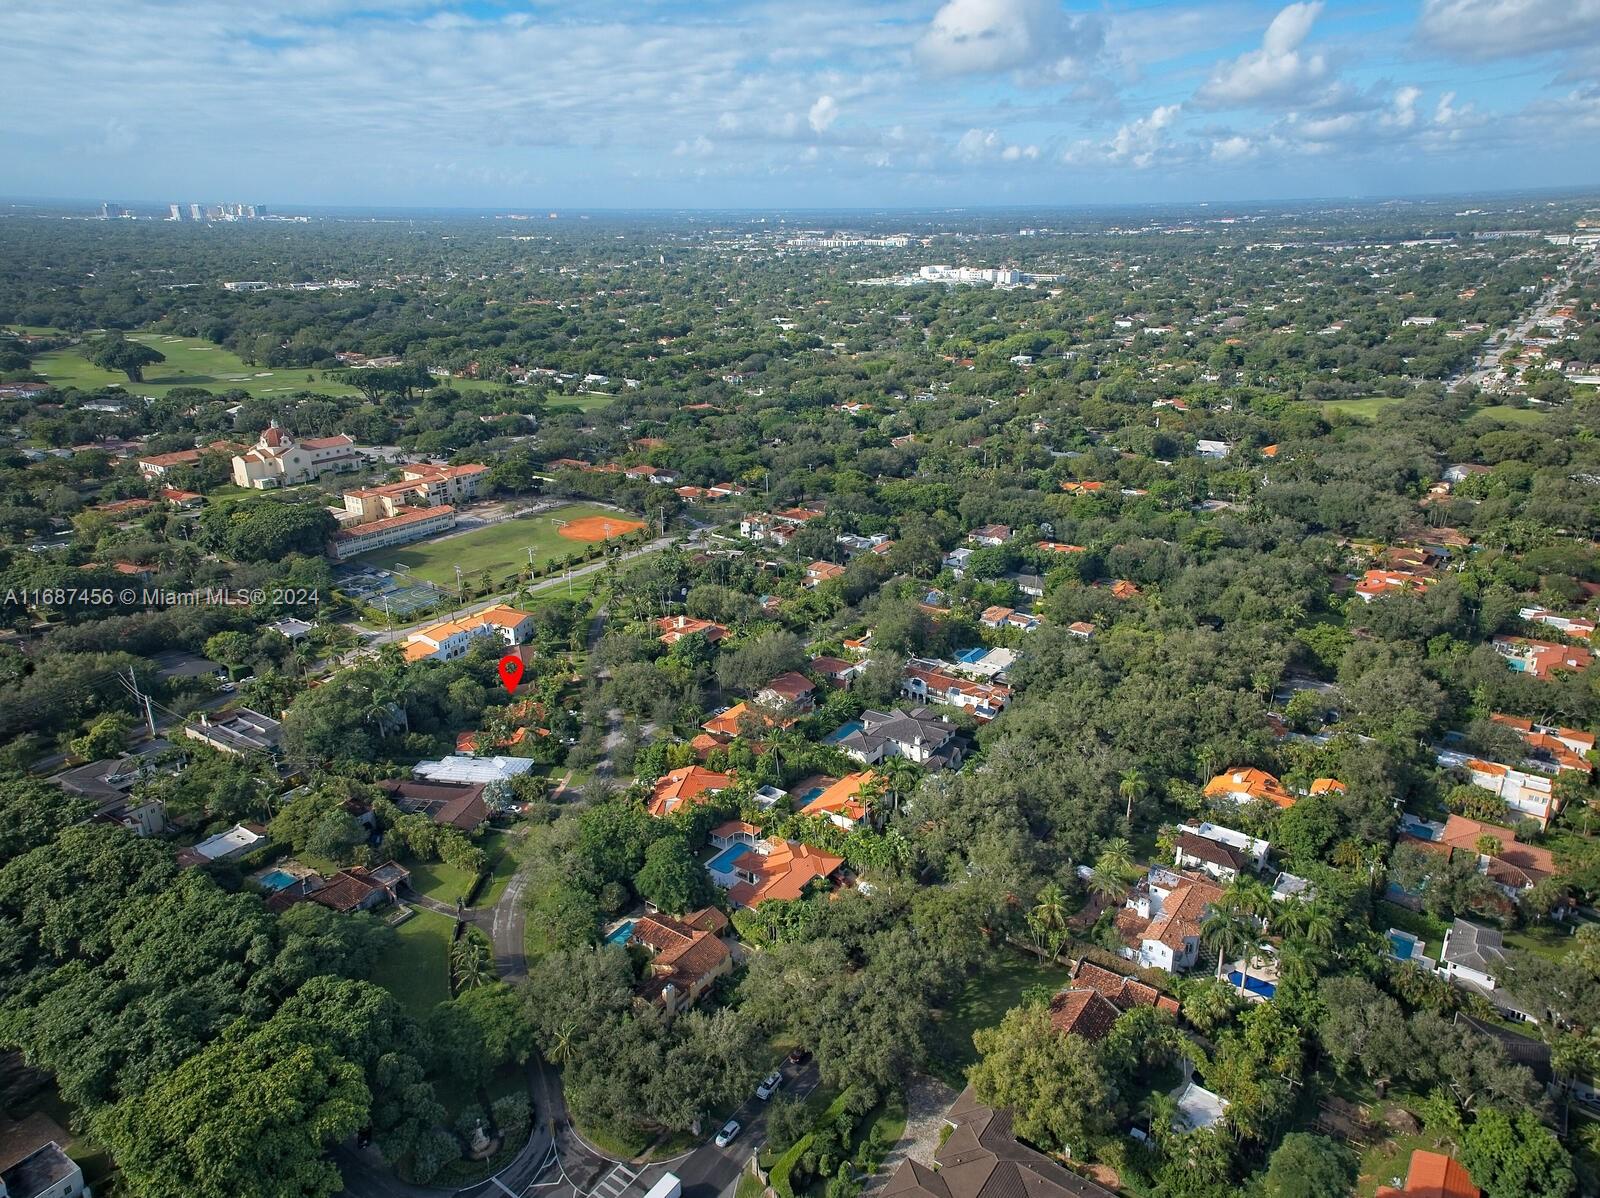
(1472, 953)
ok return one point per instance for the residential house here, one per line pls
(110, 783)
(1580, 627)
(1028, 583)
(920, 735)
(741, 720)
(956, 560)
(463, 769)
(1006, 617)
(687, 956)
(1221, 852)
(1540, 658)
(1197, 1107)
(789, 691)
(1247, 785)
(1163, 931)
(1057, 547)
(1081, 628)
(1091, 1002)
(239, 732)
(1508, 863)
(1550, 747)
(30, 1169)
(1473, 954)
(818, 573)
(278, 459)
(1376, 583)
(361, 889)
(449, 804)
(990, 535)
(1526, 795)
(766, 870)
(844, 803)
(152, 466)
(981, 1157)
(454, 638)
(690, 784)
(1433, 1175)
(675, 628)
(834, 671)
(1214, 450)
(224, 846)
(928, 681)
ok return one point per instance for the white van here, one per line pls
(668, 1187)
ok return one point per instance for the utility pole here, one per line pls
(143, 702)
(461, 595)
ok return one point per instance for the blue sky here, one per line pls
(652, 103)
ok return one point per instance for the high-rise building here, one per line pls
(195, 212)
(174, 212)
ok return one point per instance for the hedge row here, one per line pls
(778, 1179)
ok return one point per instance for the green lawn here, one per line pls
(983, 1002)
(1551, 940)
(583, 403)
(417, 971)
(1511, 415)
(1365, 408)
(1420, 924)
(440, 880)
(499, 548)
(190, 363)
(1389, 1158)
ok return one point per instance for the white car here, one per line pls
(770, 1085)
(729, 1133)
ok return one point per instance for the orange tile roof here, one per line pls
(841, 798)
(1182, 912)
(675, 628)
(727, 723)
(1085, 1013)
(1251, 782)
(1323, 786)
(783, 874)
(686, 784)
(1433, 1175)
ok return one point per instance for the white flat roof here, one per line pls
(224, 844)
(463, 768)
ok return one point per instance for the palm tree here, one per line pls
(561, 1048)
(1050, 913)
(1116, 856)
(471, 964)
(1230, 935)
(1131, 786)
(1250, 896)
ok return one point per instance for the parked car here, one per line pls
(770, 1085)
(729, 1133)
(799, 1056)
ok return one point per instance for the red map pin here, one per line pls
(511, 671)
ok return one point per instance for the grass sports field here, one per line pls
(1511, 415)
(499, 548)
(190, 363)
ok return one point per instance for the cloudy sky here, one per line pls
(646, 103)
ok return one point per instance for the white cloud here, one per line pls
(1403, 112)
(1233, 149)
(1278, 71)
(823, 113)
(700, 146)
(986, 145)
(972, 37)
(1484, 29)
(1139, 142)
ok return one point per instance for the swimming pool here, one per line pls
(277, 880)
(620, 933)
(722, 863)
(967, 656)
(1253, 985)
(833, 738)
(811, 794)
(1402, 946)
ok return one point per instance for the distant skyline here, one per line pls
(804, 103)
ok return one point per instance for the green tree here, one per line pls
(251, 1113)
(671, 878)
(1054, 1085)
(116, 352)
(1310, 1166)
(1514, 1155)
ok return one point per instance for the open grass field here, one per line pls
(1511, 415)
(498, 548)
(440, 881)
(190, 363)
(583, 403)
(417, 971)
(1364, 408)
(983, 1002)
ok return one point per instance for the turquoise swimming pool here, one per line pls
(833, 738)
(722, 863)
(277, 880)
(620, 933)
